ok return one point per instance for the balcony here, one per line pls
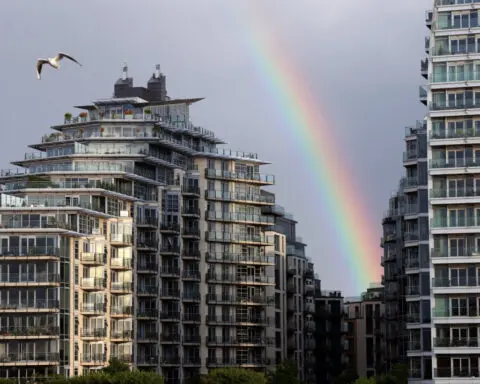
(147, 221)
(121, 286)
(191, 317)
(93, 358)
(170, 337)
(254, 178)
(120, 239)
(455, 255)
(189, 190)
(429, 19)
(30, 358)
(309, 307)
(170, 228)
(424, 68)
(191, 211)
(169, 271)
(149, 245)
(93, 258)
(423, 95)
(218, 362)
(442, 342)
(239, 197)
(170, 316)
(147, 313)
(462, 223)
(169, 294)
(147, 360)
(35, 332)
(147, 290)
(191, 254)
(170, 249)
(16, 253)
(146, 266)
(93, 283)
(121, 263)
(191, 232)
(239, 258)
(310, 344)
(248, 300)
(191, 275)
(310, 326)
(147, 335)
(239, 217)
(229, 237)
(38, 279)
(240, 279)
(121, 310)
(93, 308)
(240, 341)
(457, 374)
(96, 333)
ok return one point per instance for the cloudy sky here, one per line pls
(361, 60)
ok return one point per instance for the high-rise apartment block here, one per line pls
(366, 332)
(331, 327)
(453, 124)
(128, 233)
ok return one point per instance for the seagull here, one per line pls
(54, 62)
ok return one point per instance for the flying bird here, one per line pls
(54, 62)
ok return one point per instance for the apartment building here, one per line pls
(366, 332)
(394, 279)
(299, 281)
(452, 98)
(331, 326)
(406, 262)
(128, 233)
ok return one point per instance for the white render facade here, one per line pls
(169, 264)
(453, 124)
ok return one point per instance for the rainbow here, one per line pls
(311, 133)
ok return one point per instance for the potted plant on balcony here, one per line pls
(83, 116)
(67, 117)
(147, 113)
(80, 132)
(128, 114)
(101, 131)
(156, 130)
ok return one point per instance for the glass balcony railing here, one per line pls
(466, 221)
(457, 163)
(238, 196)
(455, 312)
(240, 217)
(463, 282)
(455, 252)
(30, 304)
(29, 252)
(238, 237)
(239, 258)
(240, 279)
(29, 278)
(33, 357)
(229, 175)
(443, 133)
(33, 331)
(444, 3)
(449, 77)
(453, 373)
(448, 342)
(453, 193)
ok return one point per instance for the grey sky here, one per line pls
(362, 59)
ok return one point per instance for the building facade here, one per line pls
(298, 277)
(128, 233)
(453, 123)
(331, 326)
(366, 332)
(394, 279)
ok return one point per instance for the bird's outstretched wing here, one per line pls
(61, 55)
(40, 63)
